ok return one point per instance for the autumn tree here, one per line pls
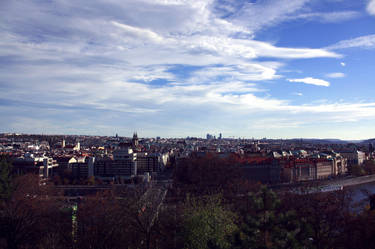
(209, 174)
(6, 187)
(21, 215)
(369, 167)
(99, 222)
(323, 215)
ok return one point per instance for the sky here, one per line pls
(177, 68)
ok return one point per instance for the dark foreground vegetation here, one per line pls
(209, 206)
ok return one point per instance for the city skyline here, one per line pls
(177, 68)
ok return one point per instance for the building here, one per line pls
(354, 157)
(147, 163)
(308, 169)
(44, 166)
(262, 169)
(123, 165)
(135, 141)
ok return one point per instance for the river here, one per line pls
(358, 195)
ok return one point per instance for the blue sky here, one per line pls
(176, 68)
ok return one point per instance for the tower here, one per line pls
(135, 140)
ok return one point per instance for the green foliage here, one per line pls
(264, 226)
(207, 224)
(6, 188)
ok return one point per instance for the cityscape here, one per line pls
(187, 124)
(169, 192)
(116, 159)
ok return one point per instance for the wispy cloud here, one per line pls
(336, 75)
(311, 81)
(371, 7)
(179, 63)
(266, 13)
(328, 17)
(367, 41)
(258, 15)
(138, 32)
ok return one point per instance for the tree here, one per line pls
(99, 222)
(206, 224)
(141, 209)
(206, 175)
(369, 167)
(323, 216)
(357, 170)
(123, 219)
(264, 225)
(22, 214)
(6, 187)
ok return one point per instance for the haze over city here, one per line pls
(175, 68)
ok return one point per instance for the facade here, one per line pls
(303, 170)
(147, 163)
(268, 171)
(125, 164)
(354, 157)
(64, 164)
(115, 169)
(310, 169)
(44, 166)
(324, 169)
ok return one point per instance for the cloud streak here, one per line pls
(138, 32)
(328, 17)
(311, 81)
(367, 41)
(336, 75)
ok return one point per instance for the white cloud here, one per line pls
(275, 123)
(327, 17)
(343, 64)
(371, 7)
(267, 13)
(367, 41)
(298, 94)
(311, 81)
(99, 62)
(140, 33)
(261, 14)
(336, 75)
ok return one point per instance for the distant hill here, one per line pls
(368, 141)
(324, 141)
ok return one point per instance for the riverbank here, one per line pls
(351, 181)
(344, 182)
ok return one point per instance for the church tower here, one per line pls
(135, 140)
